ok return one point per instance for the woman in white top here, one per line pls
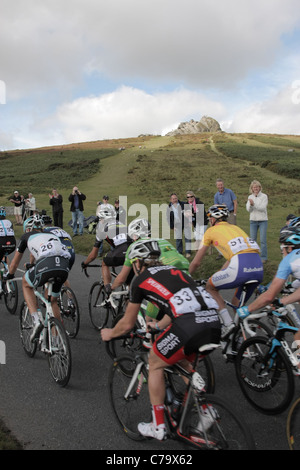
(257, 206)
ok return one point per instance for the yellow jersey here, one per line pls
(229, 240)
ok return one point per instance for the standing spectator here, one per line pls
(30, 204)
(226, 196)
(120, 212)
(56, 201)
(197, 215)
(176, 220)
(76, 198)
(17, 200)
(257, 206)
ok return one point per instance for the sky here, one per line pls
(86, 70)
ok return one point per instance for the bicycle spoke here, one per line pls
(59, 359)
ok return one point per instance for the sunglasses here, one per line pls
(189, 197)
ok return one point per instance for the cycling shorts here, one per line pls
(242, 268)
(182, 339)
(55, 267)
(7, 246)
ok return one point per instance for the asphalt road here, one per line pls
(43, 415)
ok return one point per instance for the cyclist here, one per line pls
(141, 228)
(190, 315)
(51, 259)
(7, 235)
(289, 240)
(243, 262)
(115, 233)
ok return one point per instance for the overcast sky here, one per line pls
(81, 70)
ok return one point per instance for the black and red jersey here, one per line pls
(174, 292)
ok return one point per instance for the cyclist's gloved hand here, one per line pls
(243, 312)
(83, 265)
(8, 276)
(277, 303)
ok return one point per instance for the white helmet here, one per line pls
(105, 214)
(218, 211)
(139, 228)
(144, 249)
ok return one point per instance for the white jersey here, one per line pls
(6, 228)
(43, 245)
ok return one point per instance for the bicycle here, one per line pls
(266, 366)
(8, 289)
(231, 344)
(99, 305)
(53, 340)
(293, 426)
(185, 404)
(69, 311)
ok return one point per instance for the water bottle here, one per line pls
(169, 395)
(176, 407)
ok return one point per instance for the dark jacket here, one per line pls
(81, 197)
(205, 219)
(56, 203)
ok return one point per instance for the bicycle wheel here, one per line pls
(118, 347)
(222, 429)
(11, 298)
(204, 367)
(60, 359)
(98, 310)
(129, 395)
(293, 426)
(69, 311)
(26, 328)
(267, 382)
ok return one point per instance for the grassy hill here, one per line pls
(148, 169)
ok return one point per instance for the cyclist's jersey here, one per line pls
(113, 232)
(290, 264)
(6, 228)
(65, 239)
(42, 245)
(169, 255)
(174, 292)
(229, 240)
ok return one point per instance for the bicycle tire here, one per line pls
(98, 314)
(60, 358)
(227, 431)
(11, 298)
(268, 385)
(293, 426)
(70, 313)
(131, 410)
(119, 347)
(204, 367)
(25, 329)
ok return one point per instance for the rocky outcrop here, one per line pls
(206, 124)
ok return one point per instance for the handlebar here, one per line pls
(90, 266)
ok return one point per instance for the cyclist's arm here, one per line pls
(15, 262)
(121, 277)
(267, 297)
(123, 326)
(93, 255)
(198, 258)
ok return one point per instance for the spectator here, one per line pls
(56, 201)
(17, 200)
(226, 196)
(176, 220)
(120, 212)
(30, 205)
(257, 206)
(76, 198)
(197, 214)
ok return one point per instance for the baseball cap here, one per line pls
(16, 192)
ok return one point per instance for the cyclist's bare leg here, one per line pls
(156, 382)
(106, 275)
(29, 297)
(55, 308)
(215, 294)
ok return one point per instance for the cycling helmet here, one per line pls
(290, 236)
(144, 249)
(47, 219)
(105, 214)
(139, 228)
(35, 221)
(2, 212)
(218, 211)
(295, 222)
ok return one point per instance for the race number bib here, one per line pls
(237, 244)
